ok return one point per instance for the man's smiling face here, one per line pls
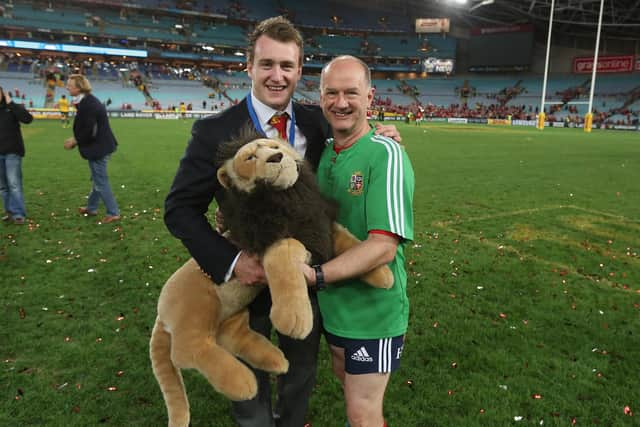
(274, 70)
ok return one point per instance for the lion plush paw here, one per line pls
(291, 312)
(380, 277)
(292, 317)
(238, 383)
(255, 349)
(272, 362)
(343, 240)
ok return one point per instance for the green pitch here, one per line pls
(524, 283)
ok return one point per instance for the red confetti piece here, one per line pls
(78, 386)
(627, 411)
(503, 316)
(573, 421)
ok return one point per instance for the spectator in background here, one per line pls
(94, 138)
(11, 154)
(63, 106)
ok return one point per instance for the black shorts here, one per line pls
(369, 356)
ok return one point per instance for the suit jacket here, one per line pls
(91, 129)
(196, 184)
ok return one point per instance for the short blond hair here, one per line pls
(279, 29)
(81, 82)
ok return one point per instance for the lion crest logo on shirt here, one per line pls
(356, 184)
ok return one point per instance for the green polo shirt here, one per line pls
(373, 183)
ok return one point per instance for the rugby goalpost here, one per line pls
(588, 118)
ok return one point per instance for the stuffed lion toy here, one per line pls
(272, 208)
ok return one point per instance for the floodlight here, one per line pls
(482, 3)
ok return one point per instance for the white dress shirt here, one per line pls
(264, 113)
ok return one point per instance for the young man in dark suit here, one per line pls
(274, 64)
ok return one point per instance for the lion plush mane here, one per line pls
(265, 215)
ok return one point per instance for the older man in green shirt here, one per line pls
(372, 180)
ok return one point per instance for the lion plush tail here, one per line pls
(168, 376)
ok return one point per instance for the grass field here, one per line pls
(524, 283)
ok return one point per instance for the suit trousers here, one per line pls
(293, 388)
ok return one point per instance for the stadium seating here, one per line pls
(389, 39)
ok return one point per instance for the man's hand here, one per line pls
(7, 98)
(248, 270)
(390, 131)
(309, 274)
(70, 143)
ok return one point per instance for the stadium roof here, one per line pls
(621, 18)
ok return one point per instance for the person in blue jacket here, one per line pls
(95, 141)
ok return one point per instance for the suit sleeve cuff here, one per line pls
(231, 267)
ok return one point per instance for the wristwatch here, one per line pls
(320, 284)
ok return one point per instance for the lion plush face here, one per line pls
(265, 161)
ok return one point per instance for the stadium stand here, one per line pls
(196, 57)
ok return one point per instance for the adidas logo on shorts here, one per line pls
(362, 355)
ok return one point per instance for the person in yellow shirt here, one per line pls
(63, 106)
(183, 110)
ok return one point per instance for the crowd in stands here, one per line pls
(508, 93)
(140, 74)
